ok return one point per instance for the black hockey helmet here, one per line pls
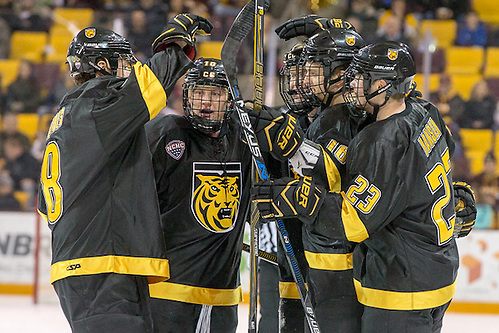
(206, 83)
(389, 61)
(288, 81)
(330, 49)
(92, 44)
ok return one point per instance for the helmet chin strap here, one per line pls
(376, 93)
(331, 95)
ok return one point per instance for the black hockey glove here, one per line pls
(276, 132)
(464, 198)
(288, 197)
(309, 25)
(183, 27)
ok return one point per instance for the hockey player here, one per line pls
(312, 79)
(202, 170)
(406, 261)
(97, 189)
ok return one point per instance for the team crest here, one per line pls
(393, 54)
(90, 32)
(175, 149)
(216, 192)
(350, 40)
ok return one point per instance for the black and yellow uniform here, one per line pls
(330, 258)
(203, 188)
(98, 195)
(398, 205)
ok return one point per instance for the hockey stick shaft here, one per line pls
(268, 257)
(242, 25)
(255, 215)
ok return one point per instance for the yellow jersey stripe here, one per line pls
(355, 230)
(330, 261)
(155, 269)
(152, 91)
(289, 290)
(332, 173)
(393, 300)
(196, 295)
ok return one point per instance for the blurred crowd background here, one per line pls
(455, 44)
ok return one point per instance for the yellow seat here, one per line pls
(444, 31)
(8, 71)
(27, 123)
(491, 62)
(44, 122)
(488, 10)
(58, 48)
(477, 143)
(22, 197)
(209, 49)
(475, 159)
(434, 82)
(464, 60)
(463, 84)
(73, 19)
(28, 45)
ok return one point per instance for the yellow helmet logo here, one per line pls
(90, 32)
(350, 40)
(216, 195)
(392, 54)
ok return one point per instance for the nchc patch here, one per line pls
(216, 193)
(175, 149)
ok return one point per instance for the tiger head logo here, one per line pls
(215, 202)
(392, 54)
(90, 32)
(350, 40)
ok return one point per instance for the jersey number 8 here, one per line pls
(52, 190)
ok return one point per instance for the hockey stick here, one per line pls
(242, 25)
(268, 257)
(255, 214)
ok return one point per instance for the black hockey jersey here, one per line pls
(398, 204)
(97, 188)
(333, 129)
(203, 187)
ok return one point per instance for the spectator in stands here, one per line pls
(94, 4)
(473, 32)
(63, 84)
(26, 18)
(156, 16)
(398, 9)
(486, 185)
(4, 39)
(431, 8)
(24, 94)
(7, 200)
(9, 130)
(362, 11)
(22, 167)
(479, 110)
(449, 102)
(394, 29)
(140, 34)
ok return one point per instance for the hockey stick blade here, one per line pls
(242, 26)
